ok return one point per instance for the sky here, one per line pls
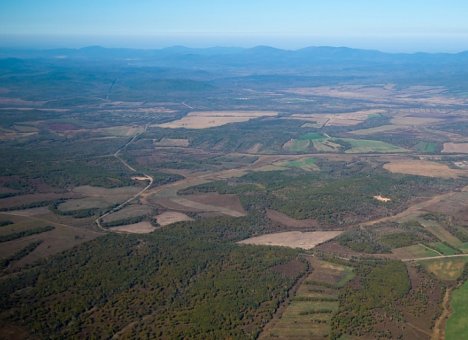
(388, 25)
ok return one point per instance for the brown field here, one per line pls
(127, 212)
(455, 148)
(287, 221)
(224, 204)
(97, 197)
(408, 121)
(293, 239)
(136, 228)
(375, 130)
(381, 93)
(15, 201)
(423, 168)
(177, 142)
(338, 119)
(208, 119)
(170, 217)
(63, 237)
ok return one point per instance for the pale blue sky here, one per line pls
(385, 24)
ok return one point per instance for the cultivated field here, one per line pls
(455, 148)
(170, 217)
(293, 239)
(208, 119)
(136, 228)
(424, 168)
(316, 299)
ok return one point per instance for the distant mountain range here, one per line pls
(233, 55)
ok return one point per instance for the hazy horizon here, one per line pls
(388, 45)
(389, 26)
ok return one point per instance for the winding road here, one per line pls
(132, 169)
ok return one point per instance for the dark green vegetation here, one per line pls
(340, 194)
(188, 280)
(24, 233)
(379, 289)
(5, 223)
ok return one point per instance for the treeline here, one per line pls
(4, 263)
(4, 223)
(24, 233)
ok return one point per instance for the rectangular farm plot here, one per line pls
(309, 313)
(293, 239)
(208, 119)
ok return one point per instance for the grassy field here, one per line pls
(426, 147)
(448, 269)
(443, 248)
(414, 251)
(456, 327)
(441, 233)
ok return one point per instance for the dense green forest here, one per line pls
(189, 280)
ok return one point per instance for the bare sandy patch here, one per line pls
(455, 148)
(293, 239)
(208, 119)
(423, 168)
(177, 142)
(170, 217)
(382, 198)
(136, 228)
(140, 178)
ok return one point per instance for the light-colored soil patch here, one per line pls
(293, 239)
(208, 119)
(379, 129)
(385, 94)
(382, 198)
(136, 228)
(170, 217)
(412, 121)
(447, 269)
(423, 168)
(283, 219)
(140, 178)
(175, 142)
(455, 148)
(31, 212)
(338, 119)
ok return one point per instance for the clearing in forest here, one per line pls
(136, 228)
(293, 239)
(309, 313)
(170, 217)
(423, 168)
